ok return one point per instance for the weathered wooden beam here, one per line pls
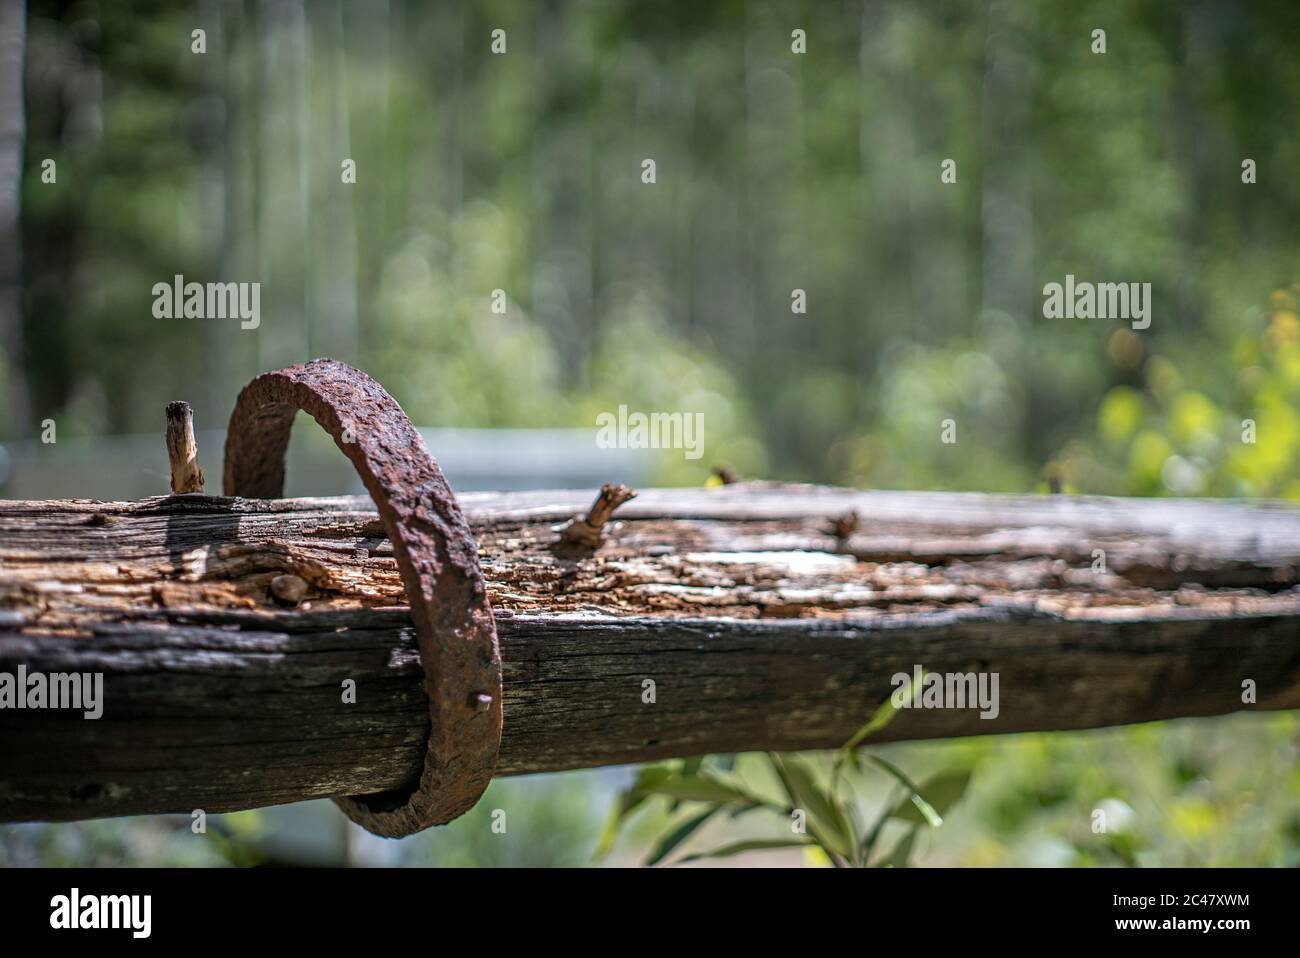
(763, 618)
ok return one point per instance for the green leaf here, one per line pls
(931, 817)
(884, 714)
(700, 788)
(829, 821)
(898, 857)
(664, 847)
(618, 811)
(627, 802)
(726, 851)
(650, 774)
(941, 792)
(868, 843)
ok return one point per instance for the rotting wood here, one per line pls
(182, 451)
(760, 625)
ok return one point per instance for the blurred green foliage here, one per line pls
(544, 820)
(813, 801)
(520, 172)
(1218, 792)
(1166, 435)
(163, 840)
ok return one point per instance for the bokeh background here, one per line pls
(775, 171)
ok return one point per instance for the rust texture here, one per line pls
(436, 557)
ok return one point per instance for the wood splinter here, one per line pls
(587, 532)
(182, 450)
(844, 526)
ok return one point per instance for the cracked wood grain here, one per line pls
(760, 625)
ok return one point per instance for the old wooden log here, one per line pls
(766, 616)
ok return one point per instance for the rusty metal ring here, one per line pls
(435, 553)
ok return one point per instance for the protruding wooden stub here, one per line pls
(587, 532)
(182, 451)
(844, 526)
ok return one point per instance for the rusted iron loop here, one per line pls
(437, 557)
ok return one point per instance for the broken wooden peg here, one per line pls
(844, 526)
(586, 532)
(182, 450)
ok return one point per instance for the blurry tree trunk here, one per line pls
(1006, 204)
(13, 26)
(561, 223)
(335, 287)
(1007, 255)
(301, 48)
(219, 184)
(283, 218)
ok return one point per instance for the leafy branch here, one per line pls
(818, 807)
